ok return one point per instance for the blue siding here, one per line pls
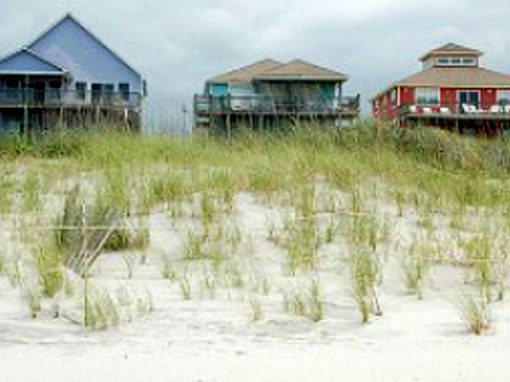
(25, 62)
(219, 89)
(71, 46)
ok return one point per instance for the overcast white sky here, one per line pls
(179, 44)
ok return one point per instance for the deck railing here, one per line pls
(205, 104)
(67, 98)
(456, 109)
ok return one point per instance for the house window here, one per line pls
(96, 93)
(108, 90)
(427, 96)
(124, 91)
(81, 90)
(394, 97)
(504, 97)
(102, 93)
(12, 91)
(456, 61)
(53, 93)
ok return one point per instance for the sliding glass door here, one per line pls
(469, 97)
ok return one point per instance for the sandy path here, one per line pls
(391, 361)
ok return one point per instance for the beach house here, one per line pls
(67, 76)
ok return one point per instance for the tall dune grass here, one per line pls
(198, 179)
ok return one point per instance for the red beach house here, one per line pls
(452, 91)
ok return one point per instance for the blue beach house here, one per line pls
(68, 76)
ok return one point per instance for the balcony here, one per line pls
(270, 105)
(456, 111)
(19, 98)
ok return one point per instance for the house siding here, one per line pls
(407, 95)
(386, 108)
(72, 47)
(448, 98)
(488, 97)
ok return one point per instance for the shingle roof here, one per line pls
(451, 48)
(301, 70)
(457, 77)
(246, 73)
(273, 70)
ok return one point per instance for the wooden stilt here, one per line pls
(229, 127)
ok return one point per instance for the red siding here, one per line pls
(488, 98)
(383, 107)
(406, 96)
(449, 98)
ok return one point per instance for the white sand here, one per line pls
(215, 340)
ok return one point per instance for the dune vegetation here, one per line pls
(306, 223)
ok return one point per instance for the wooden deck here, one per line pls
(456, 117)
(208, 109)
(455, 112)
(26, 98)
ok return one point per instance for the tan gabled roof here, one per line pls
(457, 77)
(451, 49)
(301, 70)
(246, 73)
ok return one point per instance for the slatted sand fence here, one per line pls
(84, 231)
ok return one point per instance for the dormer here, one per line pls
(451, 55)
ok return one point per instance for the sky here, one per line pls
(177, 45)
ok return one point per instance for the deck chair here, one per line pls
(413, 109)
(507, 109)
(495, 109)
(427, 110)
(466, 108)
(445, 110)
(470, 109)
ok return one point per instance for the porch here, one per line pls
(53, 91)
(59, 97)
(275, 106)
(466, 118)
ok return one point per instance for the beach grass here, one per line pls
(332, 188)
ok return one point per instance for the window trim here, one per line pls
(503, 100)
(394, 97)
(81, 90)
(430, 89)
(456, 61)
(477, 91)
(124, 93)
